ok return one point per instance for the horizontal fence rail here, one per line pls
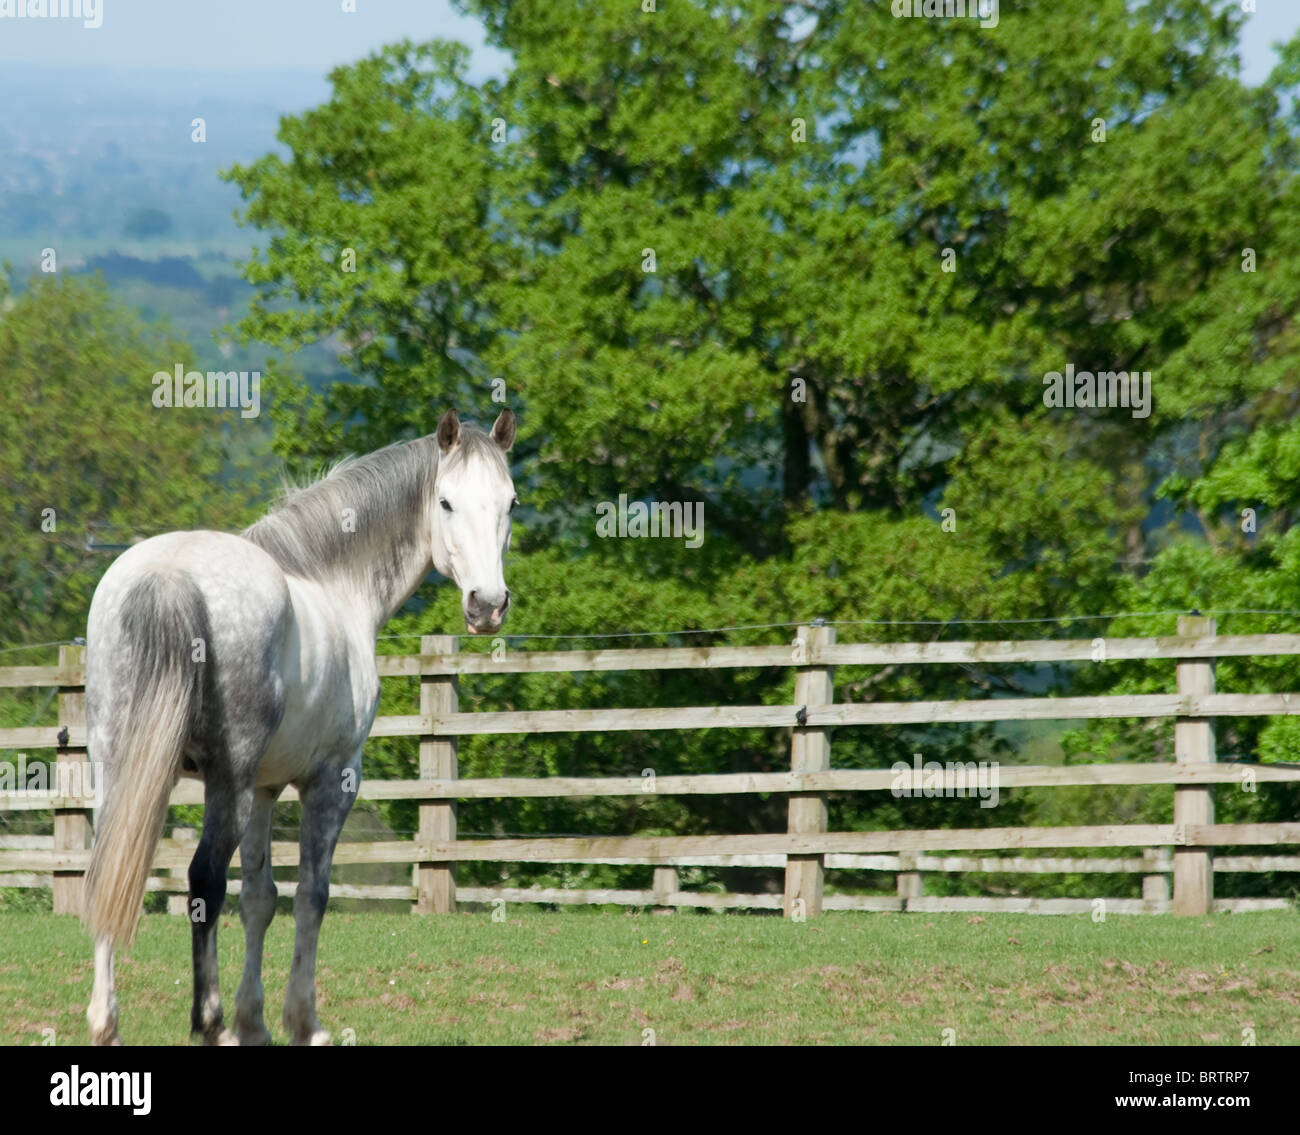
(190, 791)
(776, 716)
(665, 849)
(451, 663)
(1181, 850)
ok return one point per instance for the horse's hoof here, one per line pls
(218, 1038)
(250, 1038)
(318, 1038)
(103, 1025)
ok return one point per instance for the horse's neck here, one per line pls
(396, 573)
(396, 562)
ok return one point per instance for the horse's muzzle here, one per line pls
(485, 614)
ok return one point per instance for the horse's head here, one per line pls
(473, 499)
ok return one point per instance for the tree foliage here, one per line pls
(809, 264)
(84, 453)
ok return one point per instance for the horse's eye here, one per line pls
(445, 506)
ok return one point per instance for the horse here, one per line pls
(249, 661)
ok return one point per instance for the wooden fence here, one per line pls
(1182, 850)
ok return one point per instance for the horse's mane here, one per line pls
(389, 494)
(346, 521)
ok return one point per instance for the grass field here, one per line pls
(604, 978)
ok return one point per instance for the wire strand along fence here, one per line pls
(1182, 851)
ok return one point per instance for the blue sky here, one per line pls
(315, 35)
(280, 35)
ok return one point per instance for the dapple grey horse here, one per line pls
(249, 661)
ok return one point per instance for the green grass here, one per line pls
(604, 977)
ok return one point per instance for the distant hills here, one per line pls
(100, 165)
(94, 149)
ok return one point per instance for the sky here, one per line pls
(236, 35)
(316, 35)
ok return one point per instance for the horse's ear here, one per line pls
(503, 429)
(448, 431)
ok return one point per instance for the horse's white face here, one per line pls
(471, 523)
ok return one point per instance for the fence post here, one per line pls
(71, 825)
(435, 883)
(666, 883)
(909, 878)
(810, 751)
(1194, 744)
(1155, 885)
(178, 903)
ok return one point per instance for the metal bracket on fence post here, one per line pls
(435, 883)
(810, 751)
(1194, 805)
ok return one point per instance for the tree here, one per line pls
(810, 264)
(82, 444)
(695, 297)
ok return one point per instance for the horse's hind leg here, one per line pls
(226, 813)
(326, 800)
(102, 1011)
(256, 909)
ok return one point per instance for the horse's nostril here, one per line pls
(473, 598)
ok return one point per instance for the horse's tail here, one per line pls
(160, 616)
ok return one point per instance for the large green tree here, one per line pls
(706, 251)
(809, 264)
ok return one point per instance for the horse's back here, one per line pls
(229, 606)
(241, 584)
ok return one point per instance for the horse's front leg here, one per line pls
(326, 800)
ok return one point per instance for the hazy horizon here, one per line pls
(249, 36)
